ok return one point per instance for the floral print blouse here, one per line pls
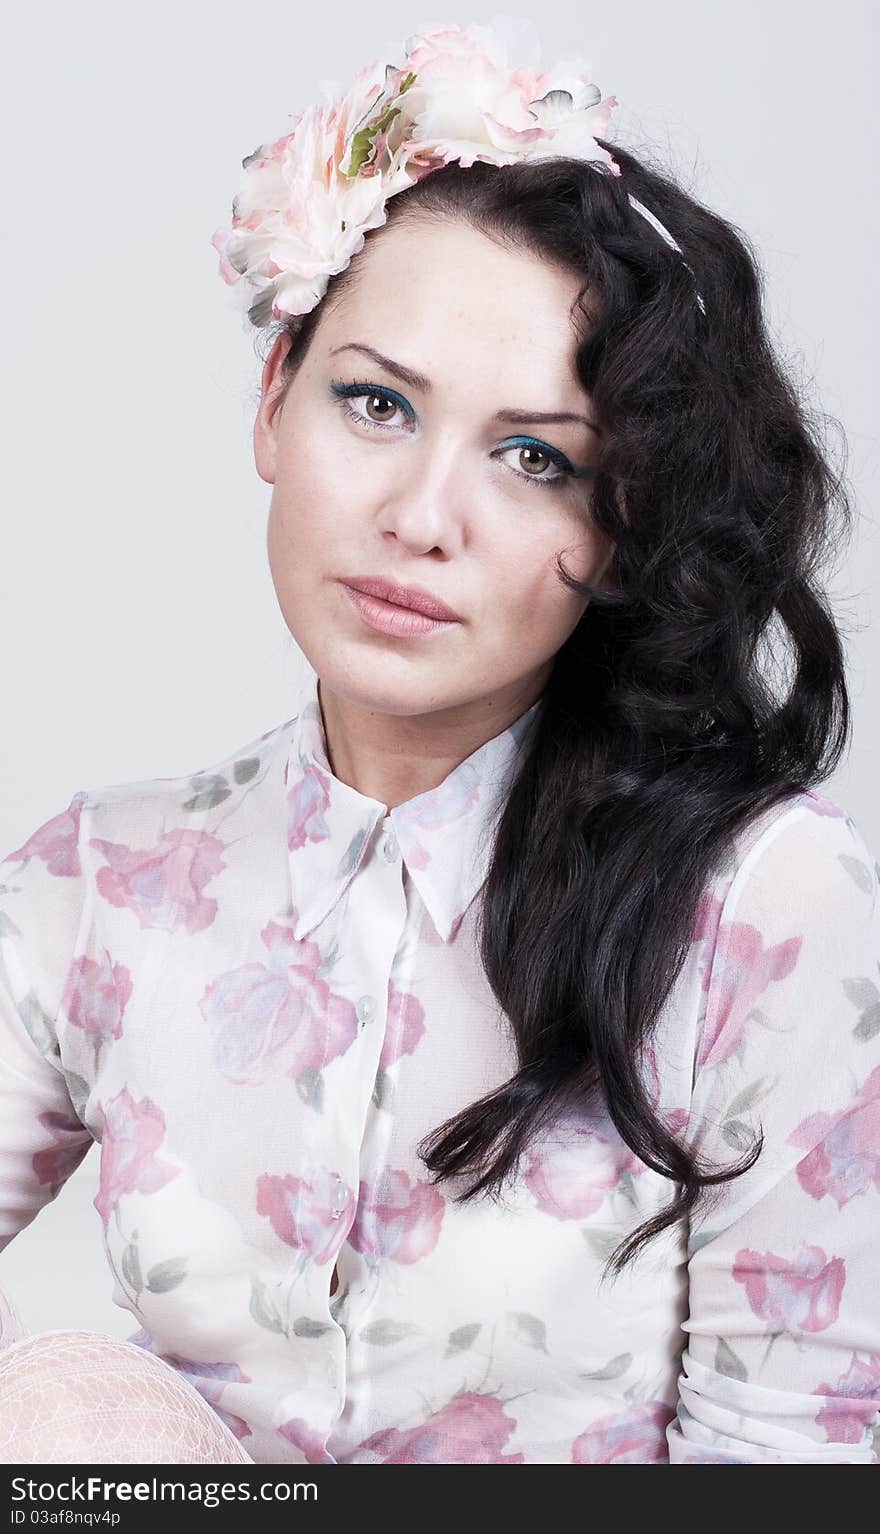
(258, 990)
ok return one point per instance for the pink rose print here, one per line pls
(822, 806)
(439, 807)
(57, 1162)
(800, 1295)
(56, 842)
(311, 1214)
(96, 995)
(397, 1218)
(634, 1436)
(163, 885)
(743, 969)
(210, 1380)
(846, 1159)
(280, 1017)
(406, 1024)
(307, 802)
(470, 1429)
(570, 1178)
(133, 1132)
(312, 1443)
(855, 1400)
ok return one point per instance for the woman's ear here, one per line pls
(268, 413)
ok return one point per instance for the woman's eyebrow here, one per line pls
(419, 381)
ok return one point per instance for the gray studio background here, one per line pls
(139, 627)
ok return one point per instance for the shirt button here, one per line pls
(366, 1009)
(389, 847)
(340, 1199)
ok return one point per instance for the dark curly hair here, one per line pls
(667, 723)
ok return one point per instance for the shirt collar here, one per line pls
(445, 835)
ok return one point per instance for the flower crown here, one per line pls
(307, 200)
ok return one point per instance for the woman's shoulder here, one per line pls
(796, 849)
(197, 790)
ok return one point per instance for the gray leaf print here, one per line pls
(304, 1326)
(614, 1368)
(246, 768)
(700, 1239)
(78, 1092)
(131, 1267)
(351, 854)
(166, 1275)
(209, 792)
(727, 1362)
(463, 1338)
(868, 1024)
(262, 1309)
(38, 1024)
(530, 1329)
(738, 1134)
(750, 1095)
(310, 1086)
(858, 871)
(861, 991)
(601, 1242)
(385, 1333)
(383, 1089)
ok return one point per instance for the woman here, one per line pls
(485, 1061)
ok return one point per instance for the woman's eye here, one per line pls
(534, 462)
(382, 408)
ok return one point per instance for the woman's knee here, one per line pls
(79, 1397)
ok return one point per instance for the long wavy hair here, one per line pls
(667, 723)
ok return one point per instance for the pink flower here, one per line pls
(570, 1177)
(845, 1157)
(312, 1214)
(163, 885)
(56, 842)
(306, 200)
(307, 801)
(57, 1162)
(280, 1017)
(133, 1132)
(308, 1439)
(855, 1400)
(740, 968)
(405, 1026)
(471, 1429)
(209, 1379)
(634, 1436)
(96, 995)
(822, 806)
(397, 1218)
(798, 1295)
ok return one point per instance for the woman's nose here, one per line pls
(425, 501)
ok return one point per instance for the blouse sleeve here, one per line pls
(782, 1357)
(42, 1139)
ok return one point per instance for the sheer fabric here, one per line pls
(258, 989)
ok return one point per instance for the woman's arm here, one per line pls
(42, 907)
(782, 1361)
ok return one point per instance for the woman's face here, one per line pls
(424, 482)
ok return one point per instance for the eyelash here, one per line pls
(357, 390)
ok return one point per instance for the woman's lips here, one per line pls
(387, 618)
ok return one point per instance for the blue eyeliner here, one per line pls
(343, 392)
